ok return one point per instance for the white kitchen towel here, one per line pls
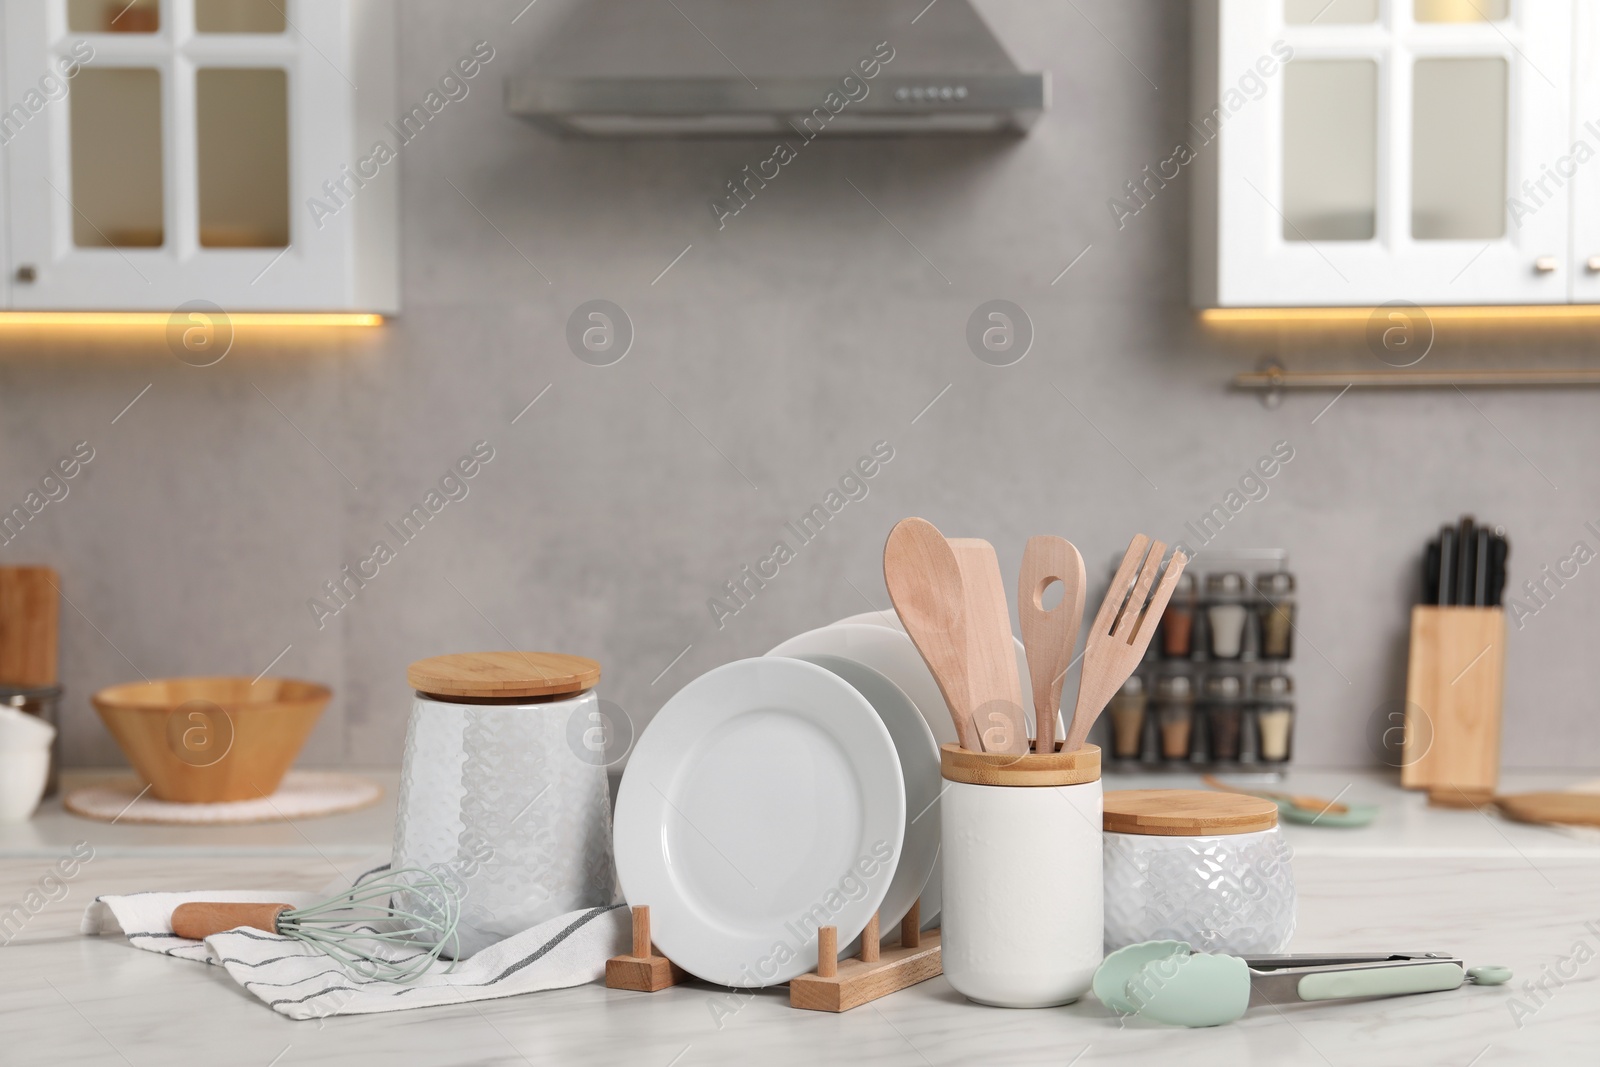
(298, 980)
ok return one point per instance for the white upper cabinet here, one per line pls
(1354, 152)
(160, 152)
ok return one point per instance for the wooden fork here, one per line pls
(1122, 630)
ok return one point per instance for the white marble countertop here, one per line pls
(1418, 879)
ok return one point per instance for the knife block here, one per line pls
(1455, 686)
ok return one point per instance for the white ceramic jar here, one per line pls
(1021, 924)
(1208, 868)
(496, 797)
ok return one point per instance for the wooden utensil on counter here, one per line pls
(1049, 634)
(991, 650)
(30, 610)
(1558, 809)
(1122, 631)
(924, 581)
(1297, 799)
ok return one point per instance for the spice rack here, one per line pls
(1215, 691)
(836, 985)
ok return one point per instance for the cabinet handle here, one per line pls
(1593, 264)
(1546, 264)
(27, 274)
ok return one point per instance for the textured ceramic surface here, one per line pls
(493, 798)
(1022, 892)
(1232, 894)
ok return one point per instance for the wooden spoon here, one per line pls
(991, 650)
(1122, 631)
(1049, 635)
(924, 583)
(1299, 800)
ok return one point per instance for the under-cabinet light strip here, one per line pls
(1484, 313)
(160, 318)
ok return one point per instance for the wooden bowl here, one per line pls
(204, 740)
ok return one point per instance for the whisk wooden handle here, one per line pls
(200, 920)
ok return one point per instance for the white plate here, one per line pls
(889, 652)
(919, 763)
(765, 799)
(892, 621)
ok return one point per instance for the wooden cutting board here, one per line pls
(30, 622)
(1561, 809)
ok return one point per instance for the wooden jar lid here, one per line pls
(503, 675)
(1186, 813)
(957, 764)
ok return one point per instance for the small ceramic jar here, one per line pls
(497, 798)
(1021, 847)
(1208, 868)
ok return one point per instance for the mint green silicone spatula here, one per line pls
(1169, 982)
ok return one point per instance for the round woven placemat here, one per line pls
(303, 795)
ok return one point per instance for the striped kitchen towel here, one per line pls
(298, 980)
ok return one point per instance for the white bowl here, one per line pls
(21, 732)
(22, 777)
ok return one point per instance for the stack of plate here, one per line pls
(772, 796)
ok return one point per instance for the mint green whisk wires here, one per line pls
(376, 912)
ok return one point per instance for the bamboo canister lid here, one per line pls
(957, 764)
(501, 675)
(1186, 813)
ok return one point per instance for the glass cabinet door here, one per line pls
(1387, 154)
(157, 151)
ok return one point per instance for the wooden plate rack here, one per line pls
(836, 985)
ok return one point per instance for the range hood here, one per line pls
(737, 68)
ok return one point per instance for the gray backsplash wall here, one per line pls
(771, 357)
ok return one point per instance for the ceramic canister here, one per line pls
(499, 795)
(1208, 868)
(1021, 847)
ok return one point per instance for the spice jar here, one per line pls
(1226, 614)
(1276, 612)
(497, 799)
(1225, 716)
(1274, 717)
(1204, 867)
(1128, 718)
(1175, 716)
(1177, 622)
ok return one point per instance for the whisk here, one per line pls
(368, 912)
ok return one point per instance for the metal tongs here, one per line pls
(1337, 976)
(1169, 982)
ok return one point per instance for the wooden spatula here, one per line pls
(1122, 630)
(1299, 800)
(924, 583)
(1049, 635)
(991, 650)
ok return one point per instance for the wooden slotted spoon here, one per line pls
(1049, 634)
(1122, 630)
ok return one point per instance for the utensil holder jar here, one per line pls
(1022, 919)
